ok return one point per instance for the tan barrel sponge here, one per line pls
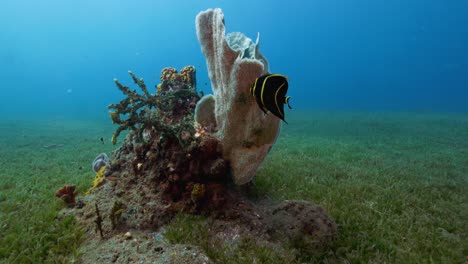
(234, 62)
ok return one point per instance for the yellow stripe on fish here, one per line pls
(270, 93)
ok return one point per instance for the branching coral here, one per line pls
(157, 111)
(165, 146)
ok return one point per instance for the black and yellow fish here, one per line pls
(270, 93)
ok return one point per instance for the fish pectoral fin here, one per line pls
(286, 101)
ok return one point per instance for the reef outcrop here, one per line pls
(187, 153)
(234, 62)
(166, 150)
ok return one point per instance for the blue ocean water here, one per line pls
(59, 57)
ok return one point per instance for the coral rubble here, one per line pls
(234, 62)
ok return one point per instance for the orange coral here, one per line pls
(67, 193)
(159, 88)
(188, 75)
(169, 74)
(199, 130)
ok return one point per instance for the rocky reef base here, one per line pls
(138, 233)
(169, 165)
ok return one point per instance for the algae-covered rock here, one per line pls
(303, 223)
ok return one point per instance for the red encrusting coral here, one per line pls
(67, 193)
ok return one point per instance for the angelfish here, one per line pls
(269, 91)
